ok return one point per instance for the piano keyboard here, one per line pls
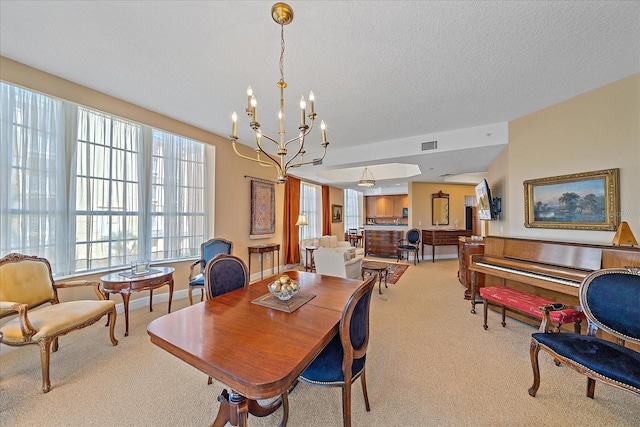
(529, 274)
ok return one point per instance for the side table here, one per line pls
(380, 269)
(125, 282)
(309, 264)
(263, 249)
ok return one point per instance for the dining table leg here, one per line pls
(235, 408)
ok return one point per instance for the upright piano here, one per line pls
(544, 267)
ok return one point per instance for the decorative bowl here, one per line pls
(284, 288)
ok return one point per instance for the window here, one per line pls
(351, 209)
(107, 189)
(91, 191)
(177, 196)
(311, 207)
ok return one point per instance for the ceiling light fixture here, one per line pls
(282, 14)
(367, 178)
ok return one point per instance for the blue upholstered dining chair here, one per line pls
(224, 273)
(208, 250)
(609, 299)
(410, 244)
(342, 361)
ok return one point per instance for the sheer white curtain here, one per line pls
(90, 191)
(106, 193)
(311, 207)
(33, 178)
(351, 209)
(177, 196)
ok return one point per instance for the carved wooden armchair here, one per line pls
(609, 299)
(26, 282)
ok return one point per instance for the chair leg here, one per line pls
(364, 391)
(486, 310)
(346, 404)
(591, 387)
(112, 326)
(504, 323)
(190, 291)
(533, 353)
(285, 409)
(45, 355)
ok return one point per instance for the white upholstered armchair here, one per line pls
(333, 264)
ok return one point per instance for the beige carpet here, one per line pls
(430, 363)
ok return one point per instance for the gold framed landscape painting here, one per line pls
(581, 201)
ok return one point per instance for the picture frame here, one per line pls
(336, 213)
(581, 201)
(263, 209)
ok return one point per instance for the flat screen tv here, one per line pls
(486, 210)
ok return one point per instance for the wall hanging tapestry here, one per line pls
(263, 209)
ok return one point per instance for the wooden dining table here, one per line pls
(258, 352)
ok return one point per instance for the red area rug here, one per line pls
(395, 271)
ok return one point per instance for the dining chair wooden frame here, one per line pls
(352, 341)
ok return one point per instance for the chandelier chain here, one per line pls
(282, 53)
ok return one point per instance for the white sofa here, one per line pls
(329, 243)
(333, 263)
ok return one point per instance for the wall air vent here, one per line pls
(431, 145)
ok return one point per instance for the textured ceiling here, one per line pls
(387, 75)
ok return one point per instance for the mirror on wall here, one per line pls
(439, 208)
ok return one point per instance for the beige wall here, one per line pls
(420, 207)
(597, 130)
(337, 198)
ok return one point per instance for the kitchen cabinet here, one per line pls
(385, 206)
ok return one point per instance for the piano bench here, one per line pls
(529, 305)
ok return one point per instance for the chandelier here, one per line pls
(367, 178)
(277, 157)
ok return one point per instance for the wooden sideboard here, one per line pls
(441, 237)
(382, 243)
(466, 248)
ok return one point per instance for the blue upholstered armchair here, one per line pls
(208, 250)
(610, 300)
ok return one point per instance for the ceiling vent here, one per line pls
(431, 145)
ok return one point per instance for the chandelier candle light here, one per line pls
(282, 14)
